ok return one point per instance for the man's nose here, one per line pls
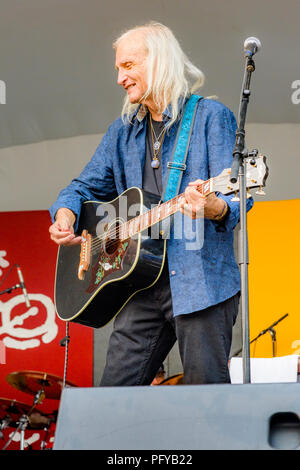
(121, 77)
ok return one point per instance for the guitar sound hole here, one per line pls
(112, 241)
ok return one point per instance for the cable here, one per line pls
(65, 343)
(7, 273)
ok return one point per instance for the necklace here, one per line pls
(156, 143)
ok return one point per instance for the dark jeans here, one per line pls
(145, 331)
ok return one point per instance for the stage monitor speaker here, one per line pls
(244, 416)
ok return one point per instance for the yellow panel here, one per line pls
(274, 264)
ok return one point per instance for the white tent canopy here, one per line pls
(57, 60)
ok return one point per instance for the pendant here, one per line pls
(155, 163)
(156, 145)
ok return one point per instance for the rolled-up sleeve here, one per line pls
(221, 130)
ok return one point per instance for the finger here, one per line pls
(193, 196)
(57, 233)
(195, 210)
(211, 196)
(61, 226)
(66, 240)
(187, 210)
(64, 225)
(61, 238)
(74, 241)
(193, 189)
(196, 182)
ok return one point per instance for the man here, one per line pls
(195, 300)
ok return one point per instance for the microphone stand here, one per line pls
(17, 286)
(273, 336)
(10, 289)
(269, 329)
(238, 170)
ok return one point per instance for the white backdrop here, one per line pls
(32, 175)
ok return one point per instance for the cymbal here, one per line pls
(31, 382)
(12, 410)
(13, 407)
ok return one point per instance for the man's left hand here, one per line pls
(196, 205)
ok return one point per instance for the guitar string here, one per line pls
(116, 231)
(97, 241)
(112, 236)
(113, 231)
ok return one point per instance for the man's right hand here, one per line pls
(62, 231)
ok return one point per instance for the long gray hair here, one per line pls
(170, 74)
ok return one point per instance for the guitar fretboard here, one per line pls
(158, 213)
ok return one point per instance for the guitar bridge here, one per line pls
(85, 254)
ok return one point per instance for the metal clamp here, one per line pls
(176, 166)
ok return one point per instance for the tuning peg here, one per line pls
(253, 156)
(235, 197)
(260, 191)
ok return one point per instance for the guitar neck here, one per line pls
(158, 213)
(256, 174)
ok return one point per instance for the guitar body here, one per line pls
(122, 252)
(117, 269)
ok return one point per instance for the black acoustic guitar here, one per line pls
(123, 249)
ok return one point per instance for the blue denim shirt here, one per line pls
(199, 277)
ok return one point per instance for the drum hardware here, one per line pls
(173, 380)
(33, 382)
(46, 433)
(10, 410)
(5, 422)
(21, 416)
(24, 421)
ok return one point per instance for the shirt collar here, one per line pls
(142, 110)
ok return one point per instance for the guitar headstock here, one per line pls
(256, 175)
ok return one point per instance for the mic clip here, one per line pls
(63, 342)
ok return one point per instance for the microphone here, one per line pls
(22, 285)
(251, 46)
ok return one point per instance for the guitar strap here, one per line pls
(177, 165)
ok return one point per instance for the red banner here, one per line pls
(30, 336)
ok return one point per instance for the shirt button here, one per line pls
(173, 273)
